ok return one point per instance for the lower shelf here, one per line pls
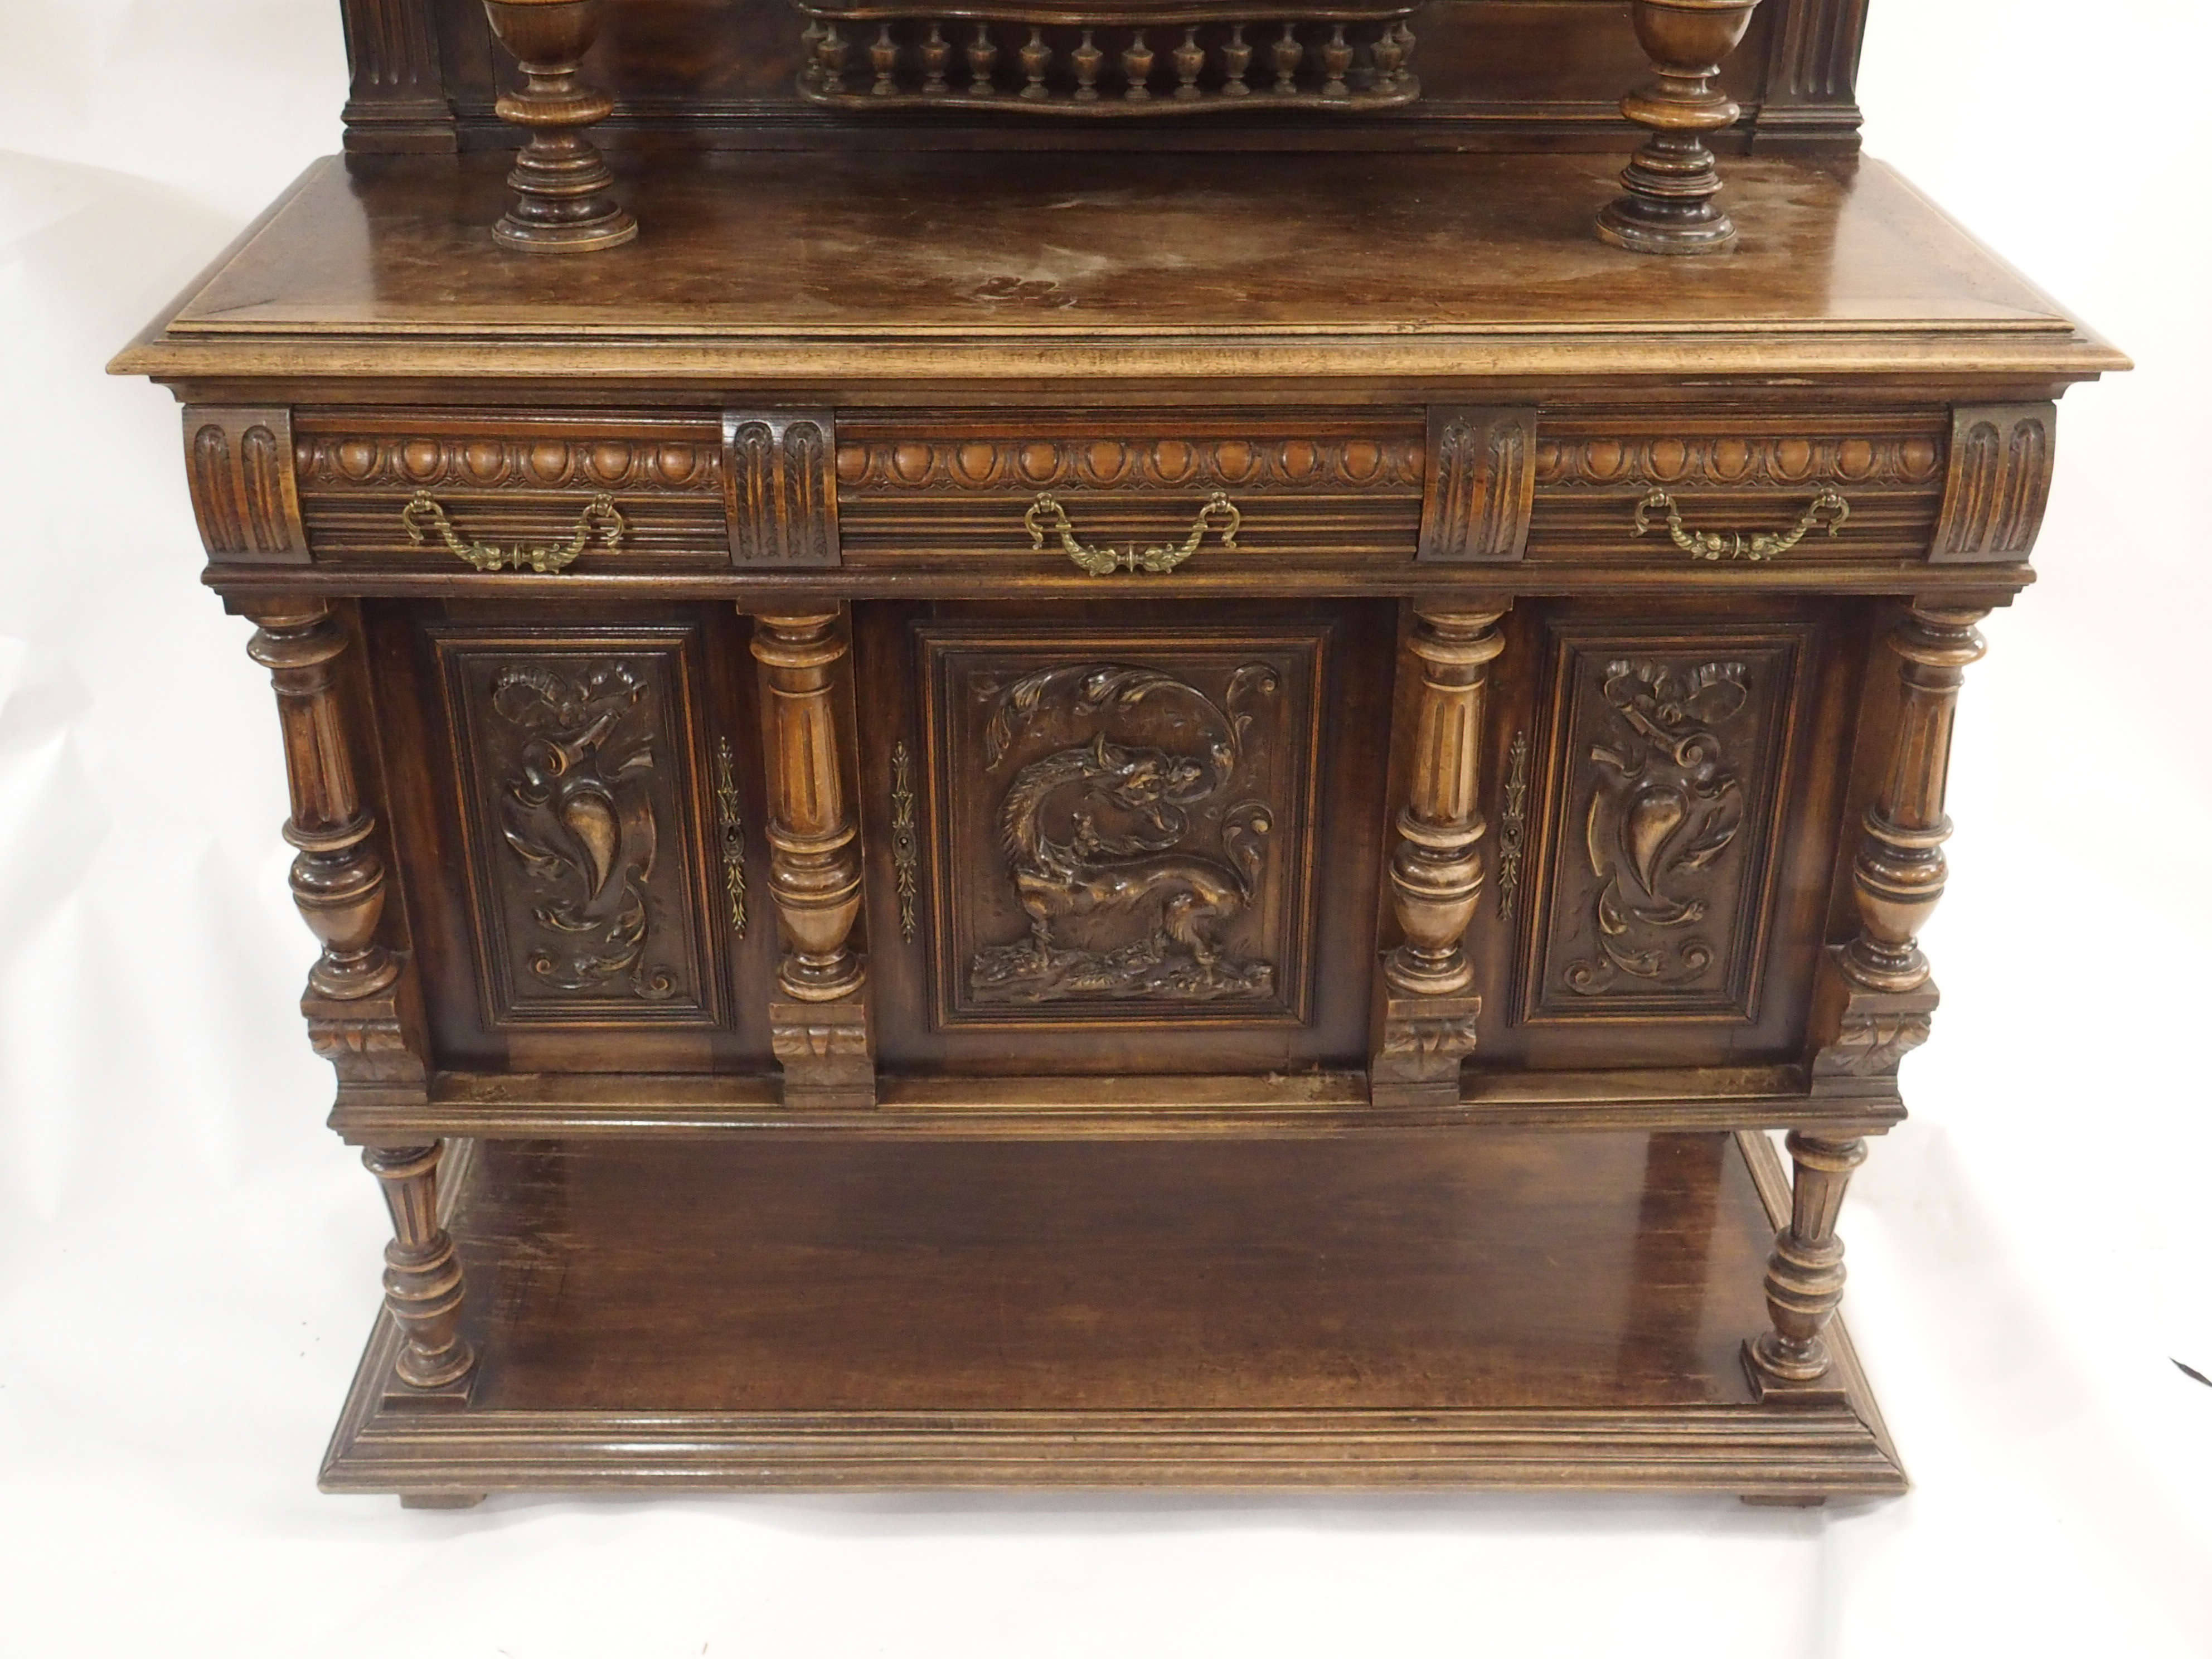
(1470, 1308)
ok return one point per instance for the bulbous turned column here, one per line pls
(1805, 1275)
(561, 177)
(1898, 876)
(1671, 181)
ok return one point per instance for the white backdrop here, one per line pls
(188, 1260)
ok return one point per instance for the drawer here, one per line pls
(1737, 477)
(513, 484)
(1307, 489)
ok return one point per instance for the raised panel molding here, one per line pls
(578, 784)
(1481, 486)
(1667, 784)
(2002, 456)
(239, 462)
(780, 484)
(1123, 823)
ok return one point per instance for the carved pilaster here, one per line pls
(1479, 488)
(1426, 1026)
(239, 463)
(1805, 1275)
(1899, 875)
(1999, 483)
(780, 487)
(398, 95)
(815, 862)
(422, 1271)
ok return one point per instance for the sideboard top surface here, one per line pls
(864, 268)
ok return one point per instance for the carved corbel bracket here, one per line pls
(1480, 485)
(1861, 1035)
(827, 1050)
(239, 462)
(780, 487)
(2002, 455)
(1424, 1039)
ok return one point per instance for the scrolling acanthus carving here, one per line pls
(577, 813)
(1664, 811)
(1129, 811)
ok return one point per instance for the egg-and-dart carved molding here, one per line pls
(1898, 460)
(333, 461)
(1390, 464)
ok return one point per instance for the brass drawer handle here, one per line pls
(600, 518)
(1829, 511)
(1047, 516)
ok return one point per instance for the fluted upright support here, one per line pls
(422, 1270)
(560, 177)
(362, 1015)
(1805, 1275)
(1897, 876)
(1426, 1027)
(822, 1033)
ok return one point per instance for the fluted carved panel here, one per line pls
(1480, 485)
(781, 486)
(580, 802)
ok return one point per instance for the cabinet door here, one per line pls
(575, 798)
(1138, 837)
(1665, 783)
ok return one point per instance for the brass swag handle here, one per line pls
(1047, 516)
(600, 518)
(1829, 511)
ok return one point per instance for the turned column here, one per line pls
(337, 880)
(1805, 1274)
(1671, 180)
(560, 176)
(1880, 997)
(1897, 876)
(1427, 1024)
(422, 1270)
(355, 1011)
(821, 1033)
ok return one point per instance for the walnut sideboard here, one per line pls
(1010, 815)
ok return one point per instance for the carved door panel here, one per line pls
(1663, 830)
(580, 874)
(1136, 837)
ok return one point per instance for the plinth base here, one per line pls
(1456, 1309)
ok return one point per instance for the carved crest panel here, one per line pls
(578, 777)
(1123, 823)
(1668, 763)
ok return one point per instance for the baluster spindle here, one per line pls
(1189, 59)
(982, 62)
(1036, 58)
(936, 53)
(1288, 55)
(1237, 64)
(1088, 58)
(1137, 65)
(883, 57)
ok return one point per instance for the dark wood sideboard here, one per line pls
(1002, 797)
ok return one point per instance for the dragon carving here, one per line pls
(1663, 813)
(1098, 831)
(578, 812)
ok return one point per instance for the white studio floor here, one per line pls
(189, 1261)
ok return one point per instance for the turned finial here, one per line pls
(1671, 180)
(561, 177)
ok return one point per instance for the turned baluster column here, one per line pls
(1885, 998)
(821, 1033)
(561, 177)
(338, 883)
(1672, 180)
(1898, 878)
(421, 1269)
(1427, 1027)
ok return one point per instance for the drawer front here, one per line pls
(514, 484)
(1309, 491)
(1738, 478)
